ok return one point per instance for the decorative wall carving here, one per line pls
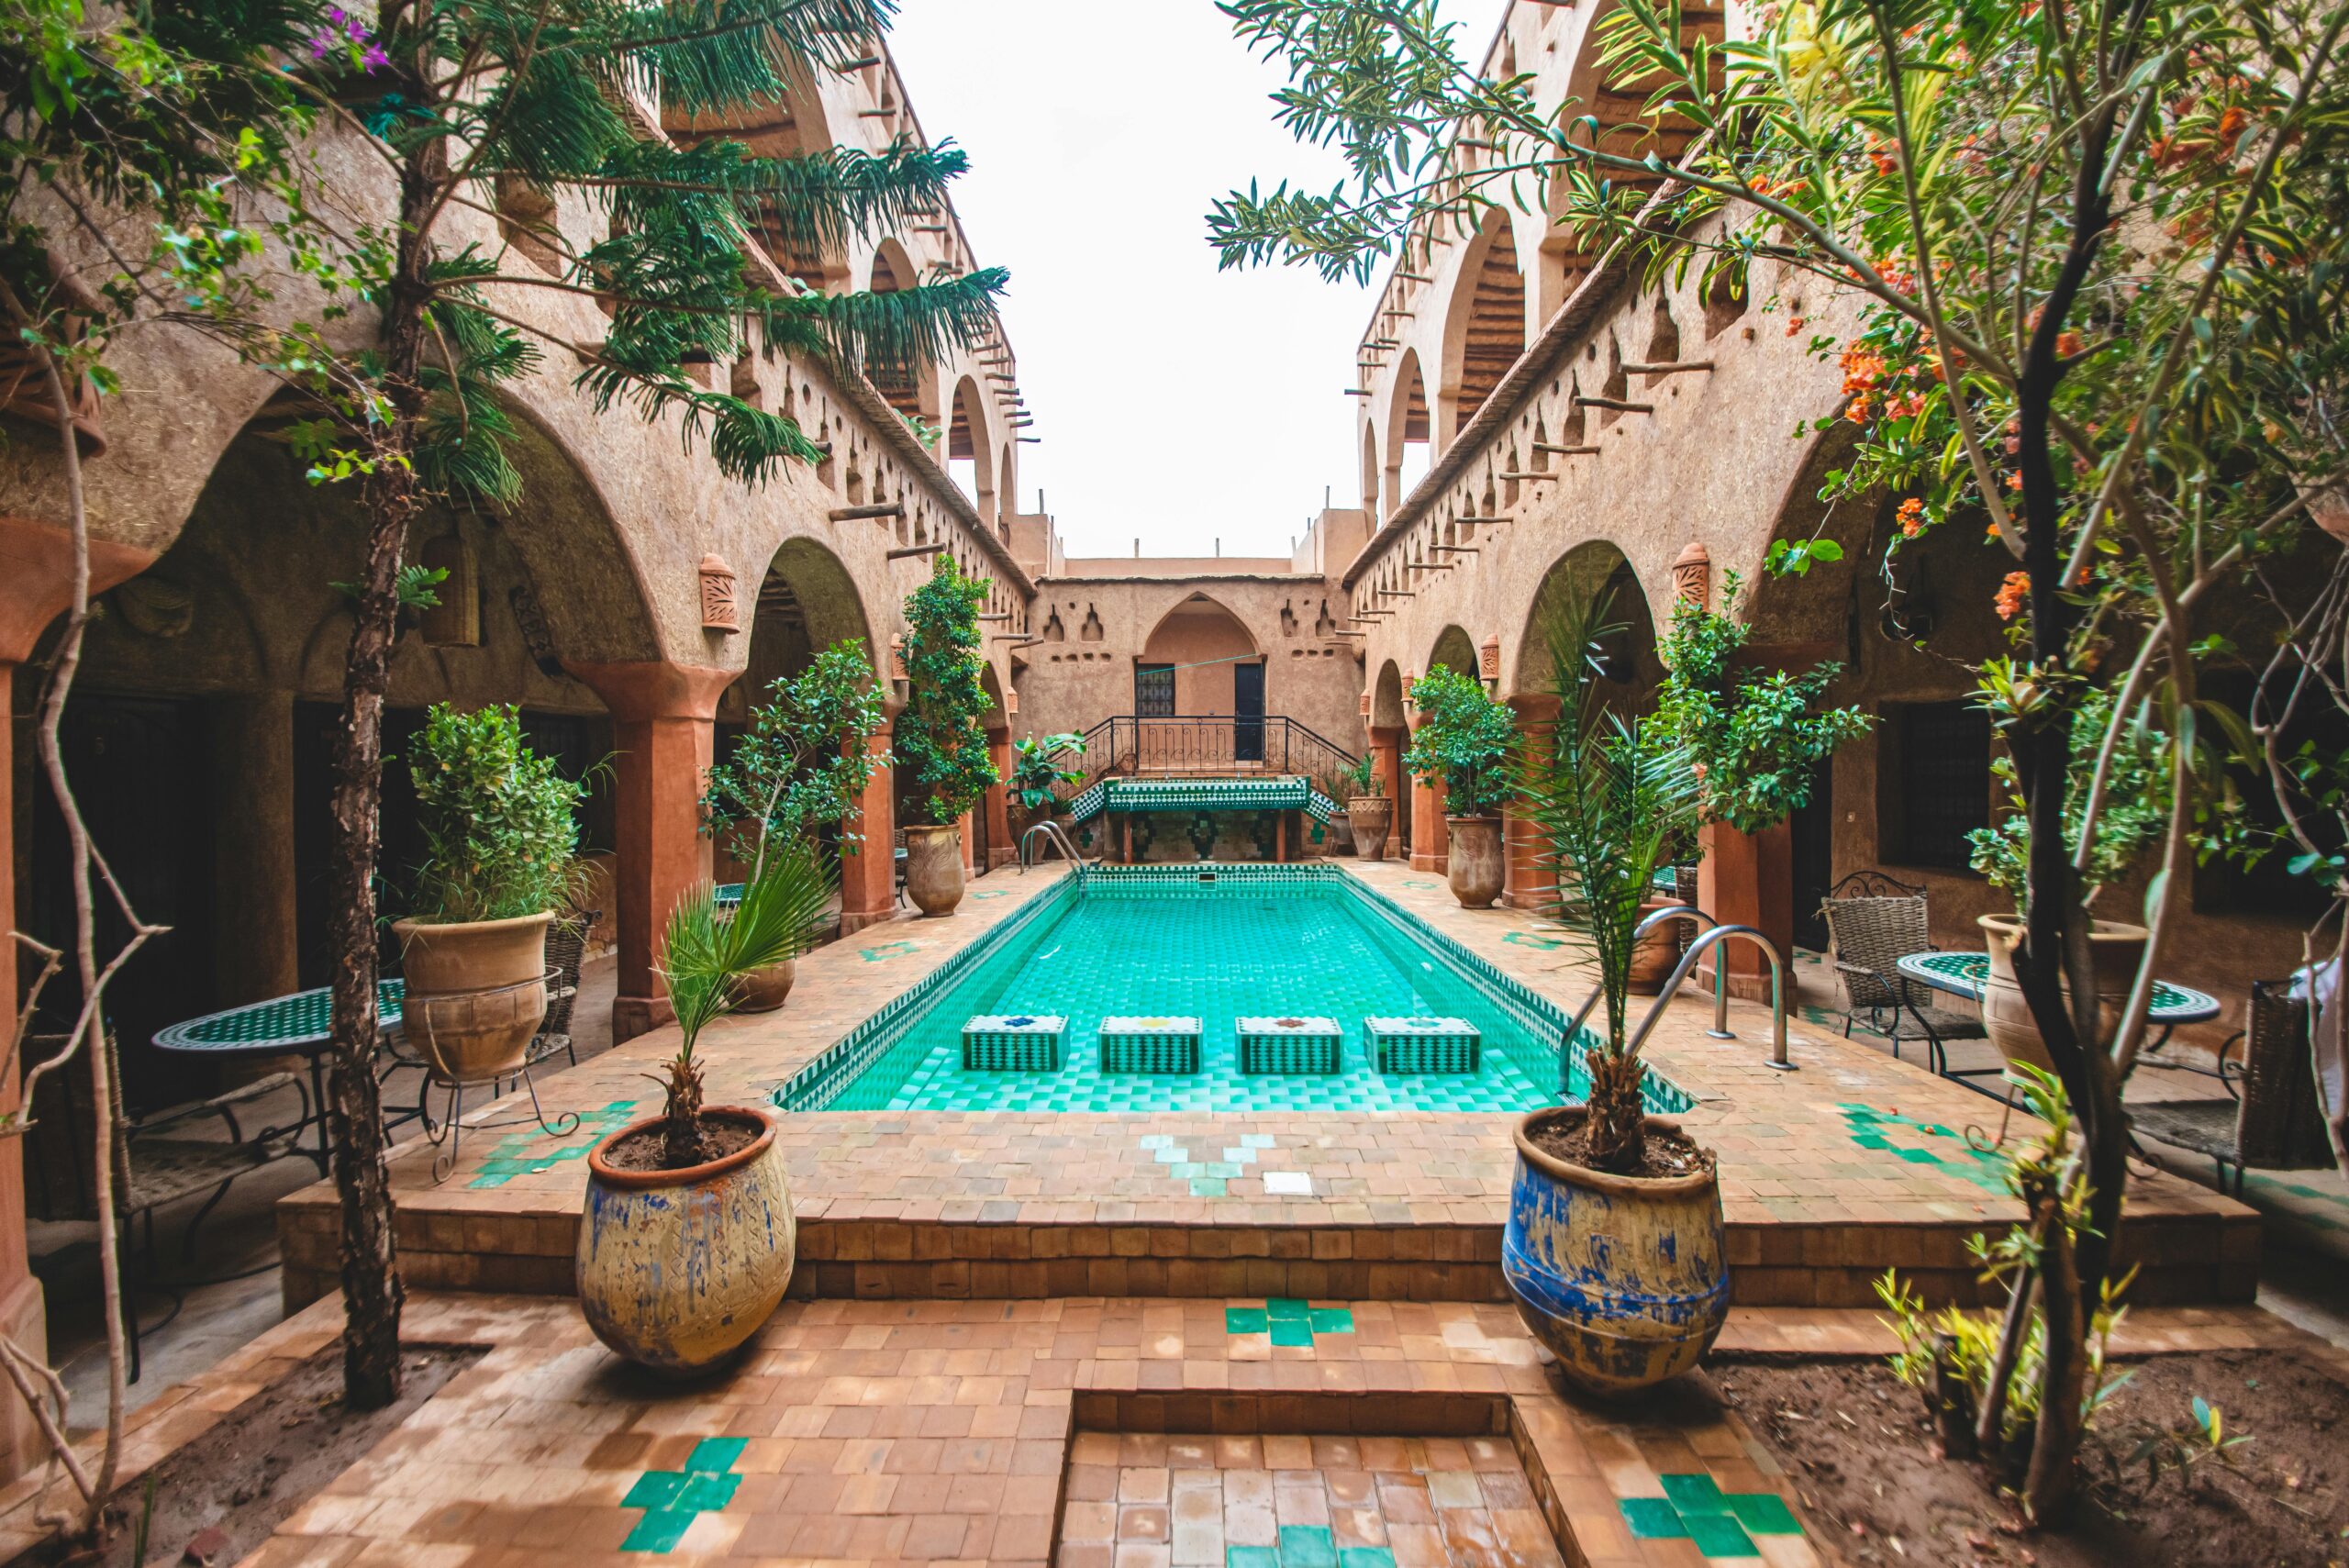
(717, 609)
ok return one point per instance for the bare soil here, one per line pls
(1668, 1153)
(222, 1495)
(649, 1149)
(1860, 1447)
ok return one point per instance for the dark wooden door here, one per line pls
(1248, 710)
(1814, 859)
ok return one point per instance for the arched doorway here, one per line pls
(1388, 734)
(970, 451)
(910, 389)
(1199, 663)
(1483, 331)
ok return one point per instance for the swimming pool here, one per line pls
(1217, 942)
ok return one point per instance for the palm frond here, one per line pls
(717, 54)
(904, 328)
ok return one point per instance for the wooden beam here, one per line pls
(1565, 452)
(913, 549)
(1666, 367)
(1618, 404)
(881, 509)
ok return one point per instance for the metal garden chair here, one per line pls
(2276, 1122)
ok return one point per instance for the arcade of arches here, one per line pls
(633, 605)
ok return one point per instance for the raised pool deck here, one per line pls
(1830, 1174)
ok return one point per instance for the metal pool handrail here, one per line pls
(1721, 982)
(1056, 835)
(1715, 937)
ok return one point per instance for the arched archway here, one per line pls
(1371, 499)
(1388, 732)
(1202, 649)
(1594, 566)
(1386, 697)
(911, 389)
(969, 448)
(793, 125)
(1454, 651)
(1484, 329)
(1408, 452)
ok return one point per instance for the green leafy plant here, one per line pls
(802, 760)
(1037, 773)
(1609, 800)
(500, 834)
(939, 735)
(1756, 736)
(705, 952)
(1364, 780)
(1463, 741)
(2133, 813)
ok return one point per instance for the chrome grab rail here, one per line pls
(1057, 836)
(1717, 935)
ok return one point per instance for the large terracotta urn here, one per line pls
(476, 993)
(1657, 952)
(1624, 1279)
(934, 868)
(764, 990)
(1371, 818)
(2116, 951)
(1476, 868)
(676, 1269)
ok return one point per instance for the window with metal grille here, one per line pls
(1943, 771)
(1155, 691)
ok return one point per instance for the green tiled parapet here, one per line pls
(1288, 1320)
(1722, 1524)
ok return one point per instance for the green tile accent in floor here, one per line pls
(520, 1155)
(1289, 1321)
(1308, 1546)
(1986, 1167)
(673, 1499)
(1722, 1524)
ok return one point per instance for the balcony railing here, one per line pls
(1209, 746)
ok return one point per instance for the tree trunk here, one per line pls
(371, 1291)
(1616, 1124)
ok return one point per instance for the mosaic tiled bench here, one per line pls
(1289, 1045)
(1422, 1044)
(1149, 1044)
(1013, 1042)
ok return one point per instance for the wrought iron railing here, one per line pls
(1213, 746)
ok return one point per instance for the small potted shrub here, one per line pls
(1370, 814)
(939, 735)
(687, 1240)
(1036, 775)
(801, 764)
(2134, 813)
(1614, 1245)
(501, 858)
(1464, 741)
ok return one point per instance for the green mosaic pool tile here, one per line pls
(1245, 1320)
(1764, 1513)
(1919, 1156)
(1308, 1546)
(1251, 1557)
(1698, 1494)
(1651, 1518)
(1366, 1557)
(659, 1531)
(1720, 1535)
(1296, 1334)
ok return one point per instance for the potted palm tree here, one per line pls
(939, 735)
(1464, 741)
(501, 844)
(799, 767)
(686, 1241)
(1613, 1247)
(1037, 774)
(1370, 814)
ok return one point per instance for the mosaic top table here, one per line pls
(1967, 974)
(300, 1025)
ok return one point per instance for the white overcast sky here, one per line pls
(1177, 404)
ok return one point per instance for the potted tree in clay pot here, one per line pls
(1614, 1244)
(501, 859)
(2131, 818)
(1037, 774)
(686, 1242)
(1463, 742)
(1755, 737)
(940, 735)
(1370, 814)
(800, 766)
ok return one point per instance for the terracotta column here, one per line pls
(869, 867)
(35, 587)
(252, 879)
(1533, 878)
(1001, 850)
(1747, 879)
(1431, 838)
(662, 729)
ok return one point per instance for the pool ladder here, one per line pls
(1056, 836)
(1714, 934)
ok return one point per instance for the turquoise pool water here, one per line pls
(1160, 942)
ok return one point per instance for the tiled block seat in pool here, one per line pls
(1289, 1044)
(1422, 1044)
(1165, 1045)
(1014, 1042)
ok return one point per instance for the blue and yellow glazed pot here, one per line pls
(677, 1268)
(1625, 1278)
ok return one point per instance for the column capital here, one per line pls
(642, 690)
(1536, 708)
(36, 578)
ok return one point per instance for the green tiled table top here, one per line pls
(280, 1024)
(1967, 974)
